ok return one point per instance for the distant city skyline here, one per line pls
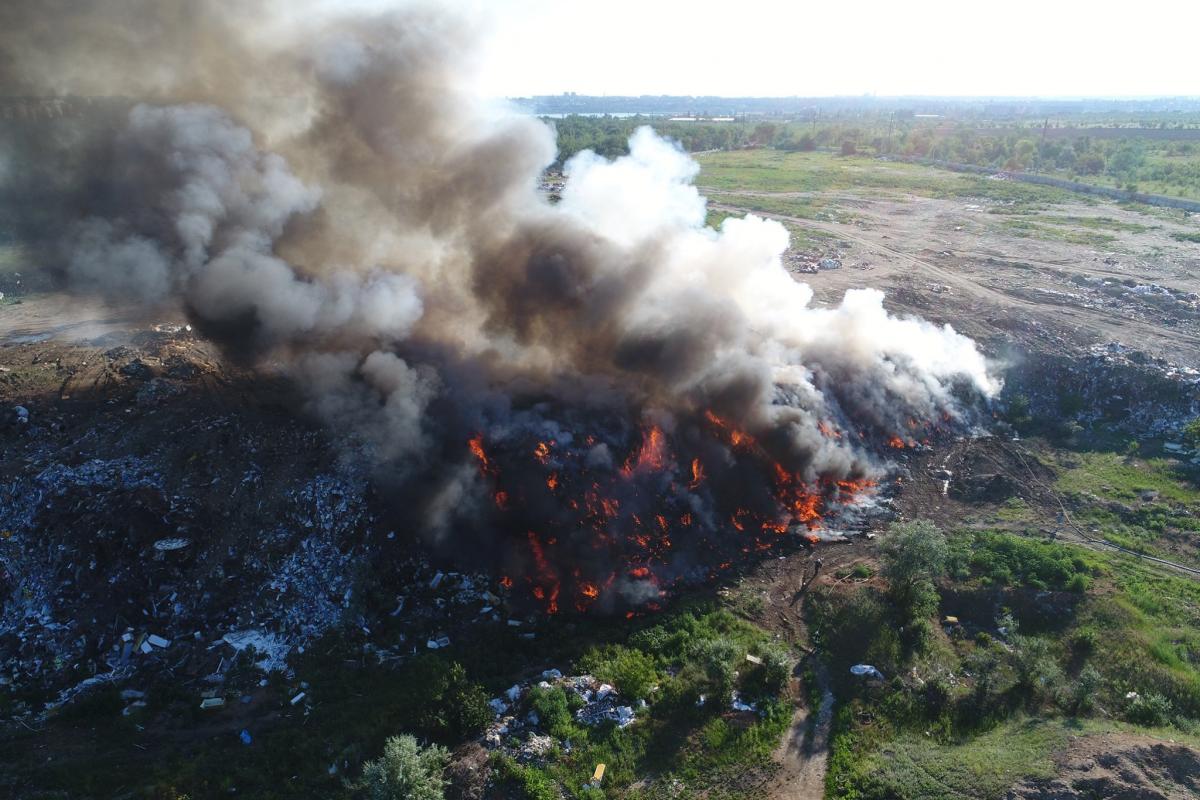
(937, 48)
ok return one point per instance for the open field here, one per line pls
(1007, 263)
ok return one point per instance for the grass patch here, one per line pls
(983, 766)
(1026, 228)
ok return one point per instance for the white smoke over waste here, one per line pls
(321, 190)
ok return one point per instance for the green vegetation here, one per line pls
(609, 136)
(1067, 148)
(1191, 432)
(1007, 560)
(686, 664)
(913, 765)
(802, 182)
(406, 771)
(972, 707)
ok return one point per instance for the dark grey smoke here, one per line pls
(320, 188)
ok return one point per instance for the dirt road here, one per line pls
(783, 587)
(804, 753)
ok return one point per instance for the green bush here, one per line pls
(444, 702)
(553, 710)
(769, 679)
(716, 658)
(406, 771)
(632, 672)
(1084, 641)
(1152, 710)
(1084, 691)
(1191, 432)
(1013, 560)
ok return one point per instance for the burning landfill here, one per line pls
(592, 401)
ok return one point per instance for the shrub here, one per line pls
(769, 679)
(1078, 583)
(1191, 432)
(445, 702)
(631, 671)
(1152, 710)
(1084, 641)
(716, 659)
(553, 710)
(1084, 691)
(861, 571)
(406, 771)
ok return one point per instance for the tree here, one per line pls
(913, 552)
(764, 133)
(406, 771)
(914, 556)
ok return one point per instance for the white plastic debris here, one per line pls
(866, 670)
(513, 693)
(171, 543)
(212, 702)
(604, 691)
(753, 659)
(551, 675)
(736, 703)
(157, 640)
(270, 651)
(295, 700)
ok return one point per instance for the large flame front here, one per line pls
(623, 538)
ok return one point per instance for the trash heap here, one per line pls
(517, 731)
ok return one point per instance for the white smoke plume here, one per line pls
(320, 189)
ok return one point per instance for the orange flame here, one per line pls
(652, 455)
(697, 473)
(476, 445)
(737, 438)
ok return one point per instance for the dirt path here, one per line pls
(803, 754)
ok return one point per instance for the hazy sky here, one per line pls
(759, 47)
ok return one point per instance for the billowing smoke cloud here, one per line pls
(320, 188)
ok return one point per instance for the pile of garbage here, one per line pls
(517, 732)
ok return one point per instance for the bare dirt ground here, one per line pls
(1118, 765)
(959, 260)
